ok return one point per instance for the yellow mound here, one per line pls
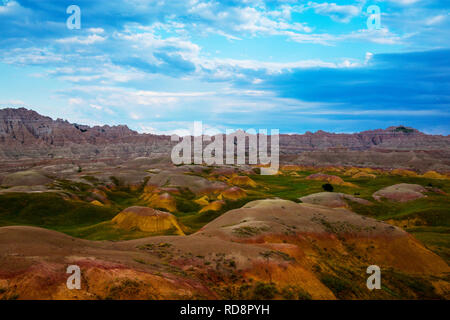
(203, 201)
(100, 196)
(213, 206)
(97, 203)
(165, 201)
(331, 179)
(292, 167)
(149, 188)
(234, 193)
(354, 171)
(370, 170)
(364, 175)
(147, 220)
(434, 175)
(332, 168)
(243, 181)
(351, 171)
(404, 173)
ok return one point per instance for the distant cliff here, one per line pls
(25, 134)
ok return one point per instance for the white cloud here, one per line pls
(95, 106)
(404, 2)
(75, 101)
(10, 7)
(30, 56)
(96, 30)
(341, 13)
(91, 39)
(381, 36)
(368, 57)
(145, 128)
(435, 20)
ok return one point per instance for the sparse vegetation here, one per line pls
(248, 231)
(341, 288)
(49, 210)
(295, 293)
(264, 291)
(71, 212)
(403, 129)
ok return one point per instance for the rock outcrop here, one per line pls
(27, 135)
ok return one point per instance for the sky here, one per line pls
(296, 66)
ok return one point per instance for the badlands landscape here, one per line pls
(109, 200)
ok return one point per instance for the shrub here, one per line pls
(340, 287)
(295, 293)
(328, 187)
(264, 291)
(403, 129)
(186, 205)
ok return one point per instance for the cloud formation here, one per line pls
(294, 65)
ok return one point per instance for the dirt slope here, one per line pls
(275, 243)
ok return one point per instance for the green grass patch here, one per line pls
(49, 210)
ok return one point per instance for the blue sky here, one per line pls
(296, 66)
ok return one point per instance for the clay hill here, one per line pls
(27, 135)
(267, 249)
(147, 219)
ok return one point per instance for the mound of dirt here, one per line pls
(242, 181)
(291, 167)
(404, 173)
(213, 206)
(164, 201)
(146, 219)
(131, 178)
(402, 192)
(364, 175)
(330, 179)
(274, 241)
(33, 264)
(233, 193)
(203, 201)
(356, 171)
(263, 221)
(332, 199)
(351, 171)
(196, 184)
(25, 178)
(28, 189)
(100, 196)
(224, 171)
(434, 175)
(97, 203)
